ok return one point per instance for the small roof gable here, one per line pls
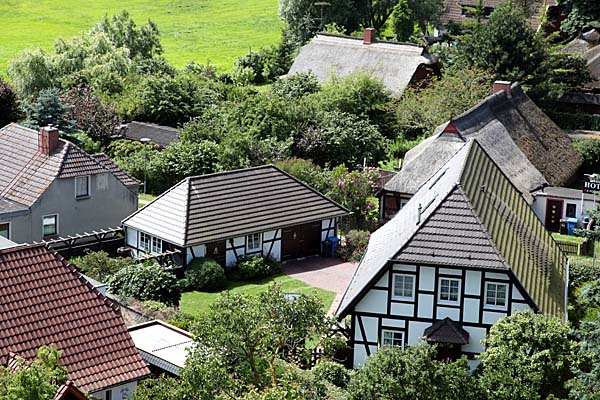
(531, 149)
(46, 301)
(159, 134)
(26, 173)
(446, 331)
(468, 214)
(394, 63)
(219, 206)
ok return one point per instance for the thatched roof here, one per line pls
(529, 148)
(587, 47)
(393, 63)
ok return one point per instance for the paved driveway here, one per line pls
(331, 274)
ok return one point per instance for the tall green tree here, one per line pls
(403, 21)
(10, 108)
(426, 12)
(527, 357)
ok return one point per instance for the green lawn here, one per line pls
(218, 31)
(198, 303)
(147, 197)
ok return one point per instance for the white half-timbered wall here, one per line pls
(378, 310)
(238, 247)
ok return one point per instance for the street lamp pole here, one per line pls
(145, 141)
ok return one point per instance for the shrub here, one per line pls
(307, 172)
(10, 108)
(590, 150)
(332, 372)
(99, 265)
(146, 282)
(251, 267)
(296, 86)
(255, 62)
(581, 271)
(354, 246)
(203, 274)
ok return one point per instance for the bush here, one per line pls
(296, 86)
(146, 282)
(307, 172)
(255, 62)
(99, 265)
(354, 246)
(251, 267)
(581, 271)
(590, 150)
(332, 372)
(203, 274)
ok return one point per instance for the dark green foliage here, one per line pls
(98, 121)
(307, 172)
(204, 274)
(148, 281)
(142, 42)
(254, 61)
(581, 14)
(581, 271)
(403, 21)
(48, 108)
(590, 150)
(10, 110)
(251, 267)
(426, 12)
(587, 374)
(412, 374)
(506, 46)
(527, 356)
(354, 245)
(99, 265)
(575, 120)
(296, 86)
(36, 380)
(332, 372)
(129, 155)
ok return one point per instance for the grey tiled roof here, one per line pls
(110, 165)
(213, 207)
(159, 134)
(25, 173)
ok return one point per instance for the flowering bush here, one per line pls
(354, 245)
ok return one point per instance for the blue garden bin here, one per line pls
(571, 225)
(334, 244)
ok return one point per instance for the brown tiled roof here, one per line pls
(25, 173)
(46, 301)
(110, 165)
(446, 331)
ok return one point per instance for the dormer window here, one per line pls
(82, 187)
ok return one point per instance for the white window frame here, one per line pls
(88, 181)
(393, 333)
(56, 225)
(444, 301)
(156, 245)
(496, 306)
(144, 242)
(403, 297)
(9, 228)
(253, 245)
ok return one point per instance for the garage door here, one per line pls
(301, 241)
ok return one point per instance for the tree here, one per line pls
(10, 110)
(36, 380)
(426, 12)
(506, 46)
(587, 374)
(48, 108)
(412, 374)
(149, 281)
(143, 42)
(581, 14)
(31, 71)
(590, 150)
(99, 265)
(403, 21)
(98, 121)
(527, 356)
(252, 332)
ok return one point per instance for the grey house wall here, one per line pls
(109, 202)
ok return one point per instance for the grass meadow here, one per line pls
(218, 31)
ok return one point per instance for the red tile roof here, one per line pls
(46, 301)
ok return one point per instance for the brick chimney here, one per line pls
(369, 36)
(47, 139)
(502, 86)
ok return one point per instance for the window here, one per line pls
(145, 242)
(392, 339)
(449, 290)
(571, 210)
(495, 294)
(253, 242)
(5, 229)
(108, 395)
(404, 286)
(50, 225)
(82, 187)
(156, 245)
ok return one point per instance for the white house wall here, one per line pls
(377, 310)
(328, 229)
(270, 247)
(121, 392)
(539, 206)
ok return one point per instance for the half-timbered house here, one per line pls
(465, 251)
(259, 211)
